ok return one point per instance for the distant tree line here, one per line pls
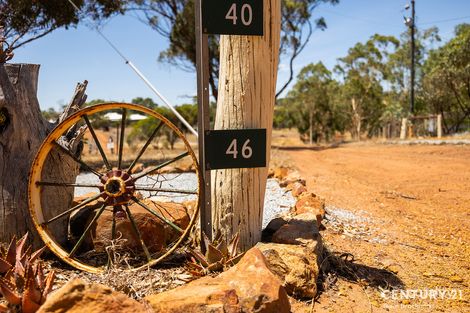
(369, 87)
(141, 130)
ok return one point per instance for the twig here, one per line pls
(395, 194)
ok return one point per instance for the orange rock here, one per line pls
(311, 203)
(272, 227)
(281, 172)
(249, 286)
(270, 172)
(300, 230)
(296, 266)
(155, 233)
(78, 297)
(168, 169)
(185, 168)
(297, 189)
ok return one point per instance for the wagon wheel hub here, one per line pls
(117, 187)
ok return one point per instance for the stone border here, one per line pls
(287, 262)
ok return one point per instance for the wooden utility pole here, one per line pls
(412, 82)
(247, 87)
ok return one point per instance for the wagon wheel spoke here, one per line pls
(58, 184)
(137, 232)
(78, 206)
(83, 164)
(166, 190)
(141, 152)
(162, 165)
(97, 142)
(164, 219)
(82, 237)
(121, 139)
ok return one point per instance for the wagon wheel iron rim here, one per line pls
(117, 187)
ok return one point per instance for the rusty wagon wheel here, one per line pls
(127, 205)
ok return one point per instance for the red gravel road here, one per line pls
(411, 209)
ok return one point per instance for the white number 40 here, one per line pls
(247, 152)
(246, 14)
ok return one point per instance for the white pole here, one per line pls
(149, 84)
(146, 81)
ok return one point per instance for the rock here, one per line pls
(78, 297)
(291, 178)
(185, 168)
(297, 189)
(167, 170)
(281, 172)
(249, 286)
(270, 172)
(139, 167)
(272, 227)
(311, 203)
(300, 230)
(155, 233)
(296, 266)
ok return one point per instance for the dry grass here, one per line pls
(137, 284)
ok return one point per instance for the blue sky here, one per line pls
(76, 54)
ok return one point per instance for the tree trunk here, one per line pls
(310, 121)
(21, 134)
(247, 86)
(356, 119)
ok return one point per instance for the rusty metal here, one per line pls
(116, 189)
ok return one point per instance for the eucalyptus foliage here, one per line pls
(26, 20)
(174, 19)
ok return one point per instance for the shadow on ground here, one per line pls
(337, 265)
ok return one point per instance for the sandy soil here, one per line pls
(408, 229)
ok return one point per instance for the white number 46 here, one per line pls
(246, 14)
(247, 152)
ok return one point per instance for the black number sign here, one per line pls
(241, 148)
(232, 17)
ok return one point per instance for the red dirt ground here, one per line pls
(412, 218)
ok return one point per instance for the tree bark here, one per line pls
(356, 119)
(21, 135)
(310, 121)
(247, 86)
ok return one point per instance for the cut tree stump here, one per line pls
(22, 130)
(247, 88)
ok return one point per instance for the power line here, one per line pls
(139, 73)
(365, 20)
(359, 18)
(447, 20)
